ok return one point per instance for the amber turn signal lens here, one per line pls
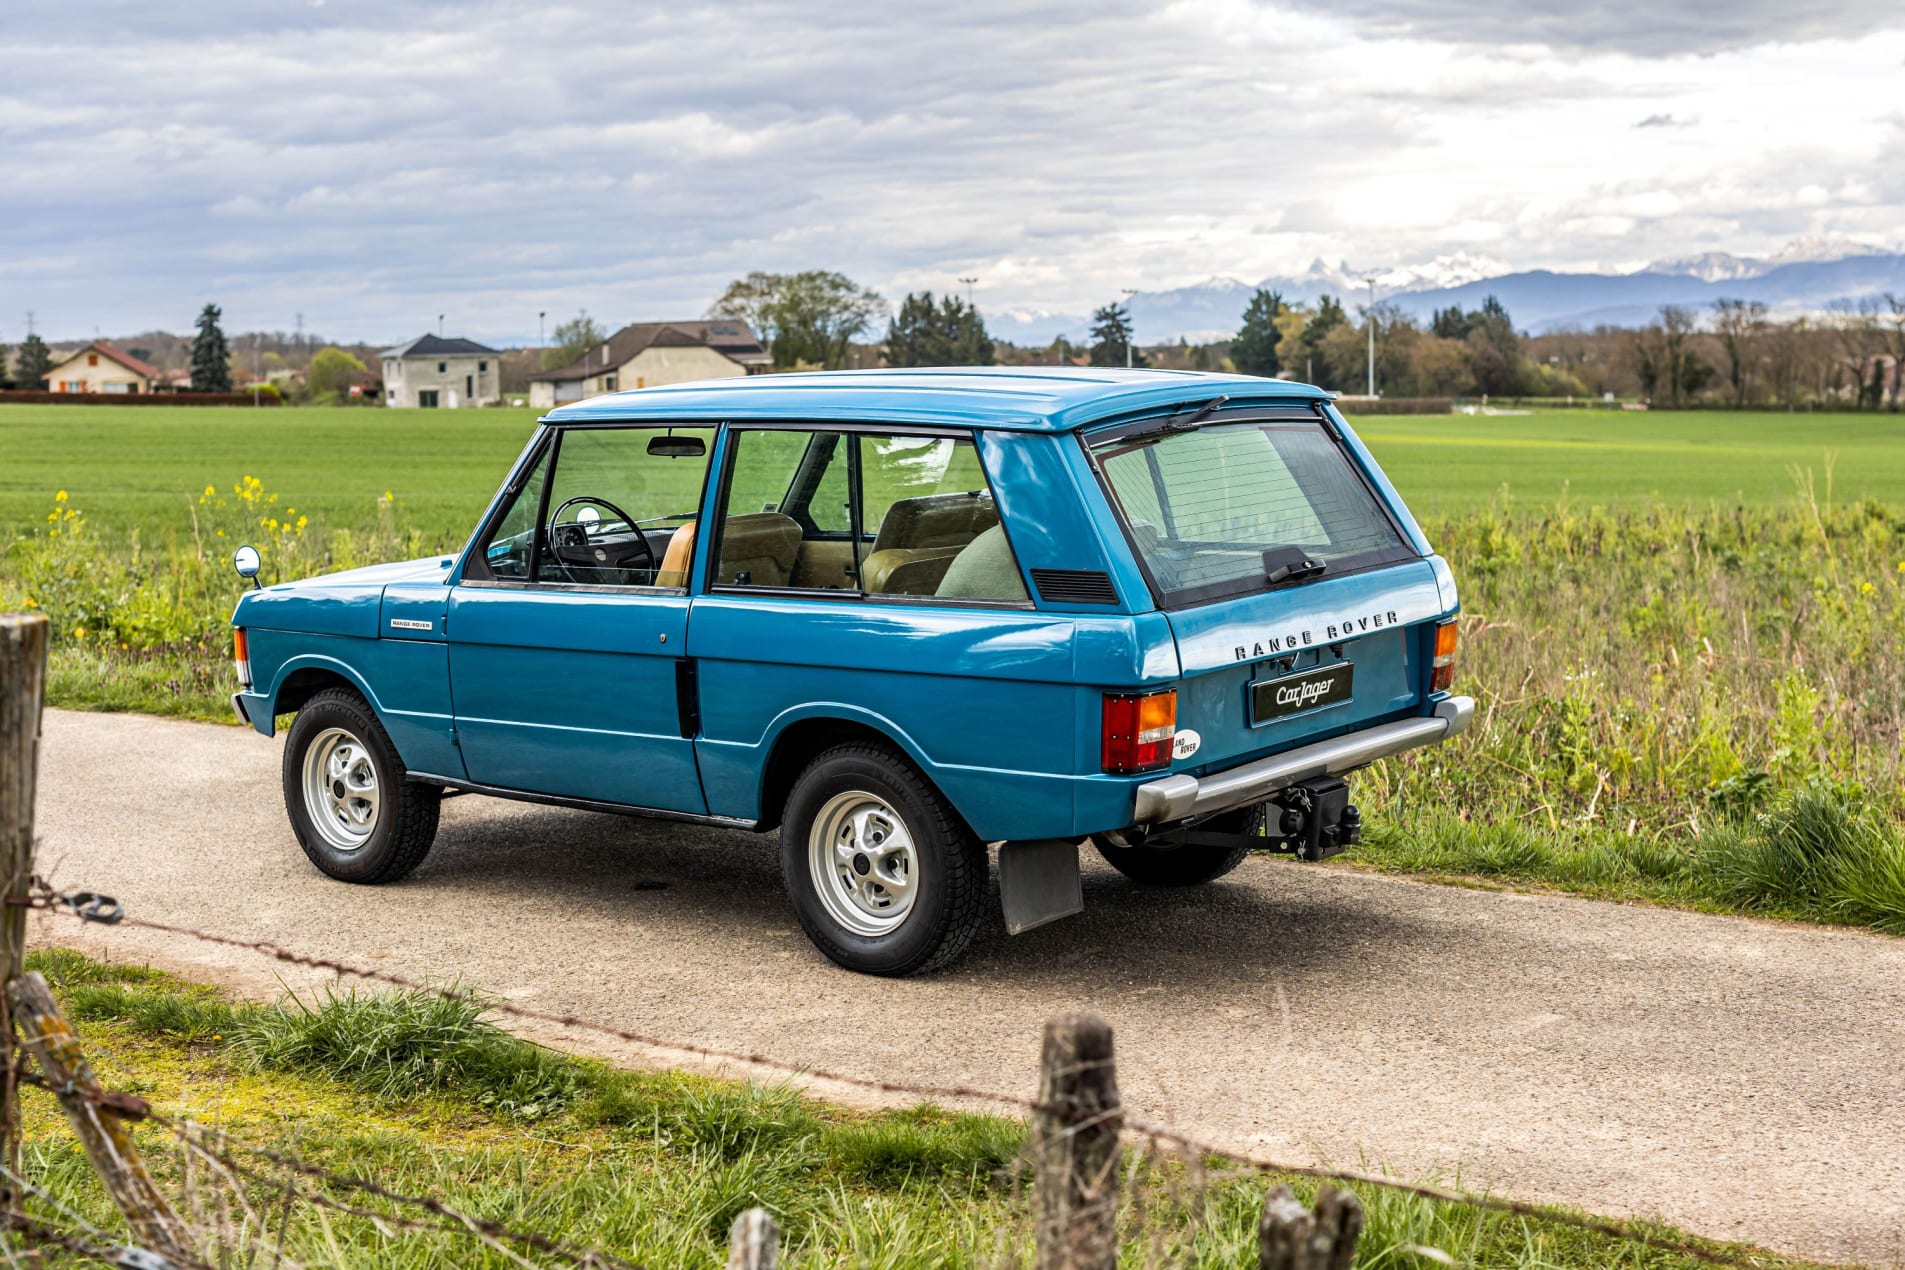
(1442, 669)
(241, 653)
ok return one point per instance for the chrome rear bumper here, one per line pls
(1175, 797)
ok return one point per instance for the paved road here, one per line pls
(1740, 1078)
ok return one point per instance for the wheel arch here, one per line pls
(302, 678)
(799, 736)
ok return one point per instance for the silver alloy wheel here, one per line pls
(340, 789)
(863, 863)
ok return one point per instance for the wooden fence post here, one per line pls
(22, 690)
(1075, 1146)
(754, 1241)
(102, 1130)
(1290, 1237)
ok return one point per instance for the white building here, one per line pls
(431, 371)
(650, 354)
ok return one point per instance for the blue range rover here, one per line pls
(898, 615)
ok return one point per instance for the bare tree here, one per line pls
(1741, 326)
(1891, 328)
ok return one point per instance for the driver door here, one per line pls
(568, 629)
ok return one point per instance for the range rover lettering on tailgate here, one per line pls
(898, 616)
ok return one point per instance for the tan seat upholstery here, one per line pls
(673, 570)
(937, 520)
(903, 571)
(757, 549)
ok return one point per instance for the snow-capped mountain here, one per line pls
(1806, 275)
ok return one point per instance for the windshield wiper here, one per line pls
(1290, 564)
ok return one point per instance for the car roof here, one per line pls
(1024, 398)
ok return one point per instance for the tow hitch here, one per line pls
(1313, 821)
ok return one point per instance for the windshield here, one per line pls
(1204, 507)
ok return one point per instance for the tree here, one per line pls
(806, 319)
(211, 356)
(4, 381)
(1892, 325)
(949, 333)
(331, 373)
(1740, 324)
(573, 338)
(1311, 337)
(1254, 350)
(35, 360)
(1111, 338)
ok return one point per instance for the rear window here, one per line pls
(1203, 507)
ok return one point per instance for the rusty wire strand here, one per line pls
(46, 897)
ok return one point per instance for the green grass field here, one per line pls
(138, 467)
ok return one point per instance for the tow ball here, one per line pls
(1312, 821)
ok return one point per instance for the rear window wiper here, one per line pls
(1290, 564)
(1173, 424)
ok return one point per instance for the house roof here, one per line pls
(119, 355)
(1023, 398)
(436, 346)
(728, 336)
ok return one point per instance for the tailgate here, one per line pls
(1269, 671)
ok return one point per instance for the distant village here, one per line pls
(1729, 354)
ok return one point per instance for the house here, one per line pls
(431, 371)
(649, 354)
(101, 368)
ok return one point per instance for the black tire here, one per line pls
(948, 887)
(404, 822)
(1166, 865)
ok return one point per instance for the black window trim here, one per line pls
(1309, 411)
(549, 444)
(855, 428)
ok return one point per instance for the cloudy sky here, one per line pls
(373, 163)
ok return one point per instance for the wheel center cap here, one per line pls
(861, 864)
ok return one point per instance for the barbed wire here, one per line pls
(125, 1256)
(45, 897)
(452, 1221)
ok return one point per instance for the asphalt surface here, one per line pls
(1743, 1079)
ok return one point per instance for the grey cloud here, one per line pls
(1663, 121)
(1645, 28)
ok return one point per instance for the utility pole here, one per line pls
(1130, 338)
(969, 283)
(1369, 320)
(29, 321)
(254, 369)
(542, 341)
(439, 326)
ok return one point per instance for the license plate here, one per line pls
(1272, 699)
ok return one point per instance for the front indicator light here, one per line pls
(241, 654)
(1138, 731)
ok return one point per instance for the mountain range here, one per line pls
(1807, 275)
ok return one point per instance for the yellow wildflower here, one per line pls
(60, 497)
(210, 490)
(1866, 588)
(79, 632)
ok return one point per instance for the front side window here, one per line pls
(877, 514)
(1229, 508)
(605, 507)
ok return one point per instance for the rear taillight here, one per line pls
(1138, 731)
(1442, 669)
(241, 653)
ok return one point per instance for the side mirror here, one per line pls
(245, 561)
(672, 447)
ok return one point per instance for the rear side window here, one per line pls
(1211, 511)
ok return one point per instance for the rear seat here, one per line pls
(758, 548)
(918, 539)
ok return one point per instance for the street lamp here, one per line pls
(540, 315)
(969, 283)
(1369, 320)
(1132, 337)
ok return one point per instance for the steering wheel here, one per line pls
(641, 539)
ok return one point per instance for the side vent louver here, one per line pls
(1074, 586)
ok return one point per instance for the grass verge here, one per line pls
(426, 1097)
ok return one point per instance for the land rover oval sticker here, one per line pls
(408, 624)
(1185, 744)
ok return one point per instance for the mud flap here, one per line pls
(1039, 882)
